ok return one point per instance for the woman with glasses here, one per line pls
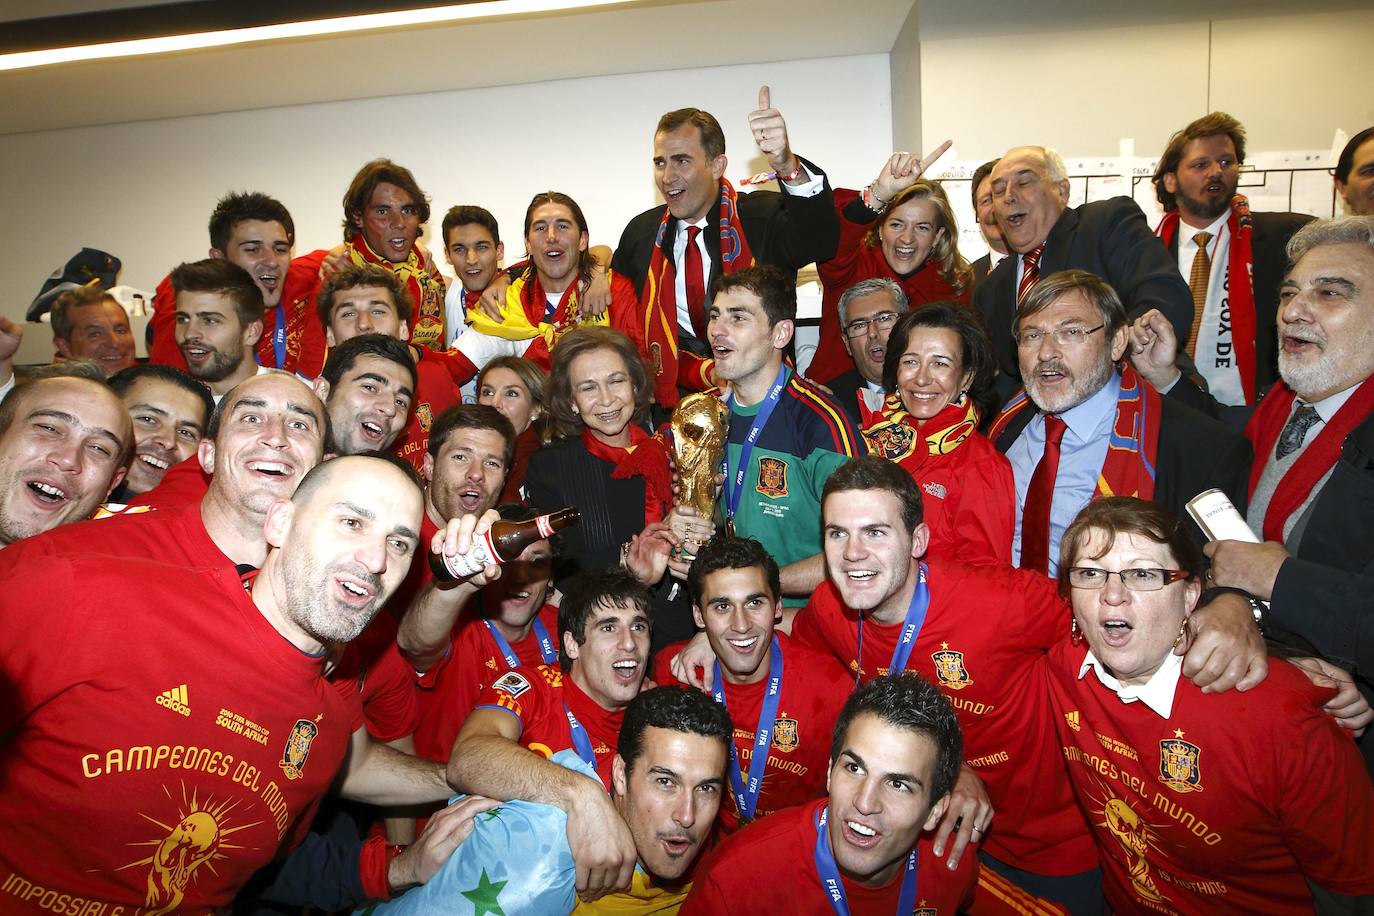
(939, 365)
(900, 227)
(1198, 803)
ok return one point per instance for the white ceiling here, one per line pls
(642, 35)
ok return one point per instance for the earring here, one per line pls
(1075, 635)
(962, 399)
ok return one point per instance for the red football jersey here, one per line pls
(167, 741)
(1230, 805)
(814, 689)
(541, 698)
(435, 392)
(769, 867)
(473, 661)
(984, 644)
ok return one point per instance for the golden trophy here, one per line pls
(701, 423)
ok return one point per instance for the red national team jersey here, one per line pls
(473, 661)
(814, 689)
(435, 392)
(983, 644)
(184, 484)
(1228, 805)
(371, 669)
(769, 867)
(537, 697)
(167, 742)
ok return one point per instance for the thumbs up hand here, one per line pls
(770, 133)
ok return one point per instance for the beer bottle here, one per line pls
(503, 542)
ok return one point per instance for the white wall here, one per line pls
(1292, 80)
(143, 191)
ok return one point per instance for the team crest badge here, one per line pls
(785, 735)
(298, 743)
(925, 911)
(772, 477)
(425, 414)
(949, 668)
(1178, 764)
(892, 441)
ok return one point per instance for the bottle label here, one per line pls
(474, 561)
(545, 526)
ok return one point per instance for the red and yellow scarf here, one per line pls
(1263, 430)
(1133, 445)
(423, 282)
(659, 301)
(522, 313)
(646, 456)
(892, 433)
(1241, 281)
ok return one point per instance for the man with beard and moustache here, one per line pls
(256, 232)
(218, 322)
(220, 725)
(1083, 429)
(88, 323)
(64, 445)
(1231, 257)
(893, 759)
(169, 410)
(1313, 438)
(527, 715)
(1109, 238)
(367, 386)
(868, 310)
(368, 299)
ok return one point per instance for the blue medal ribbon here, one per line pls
(512, 661)
(735, 491)
(829, 873)
(747, 796)
(911, 627)
(581, 742)
(279, 336)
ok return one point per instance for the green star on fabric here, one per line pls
(484, 895)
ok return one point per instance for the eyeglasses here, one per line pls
(1136, 580)
(883, 321)
(1065, 337)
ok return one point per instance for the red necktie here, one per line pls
(1030, 271)
(1035, 518)
(695, 283)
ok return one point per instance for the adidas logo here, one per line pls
(175, 700)
(1072, 719)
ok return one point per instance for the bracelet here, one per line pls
(869, 199)
(625, 554)
(795, 173)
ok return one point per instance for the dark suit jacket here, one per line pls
(783, 230)
(1109, 238)
(1268, 244)
(1325, 593)
(981, 268)
(1196, 453)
